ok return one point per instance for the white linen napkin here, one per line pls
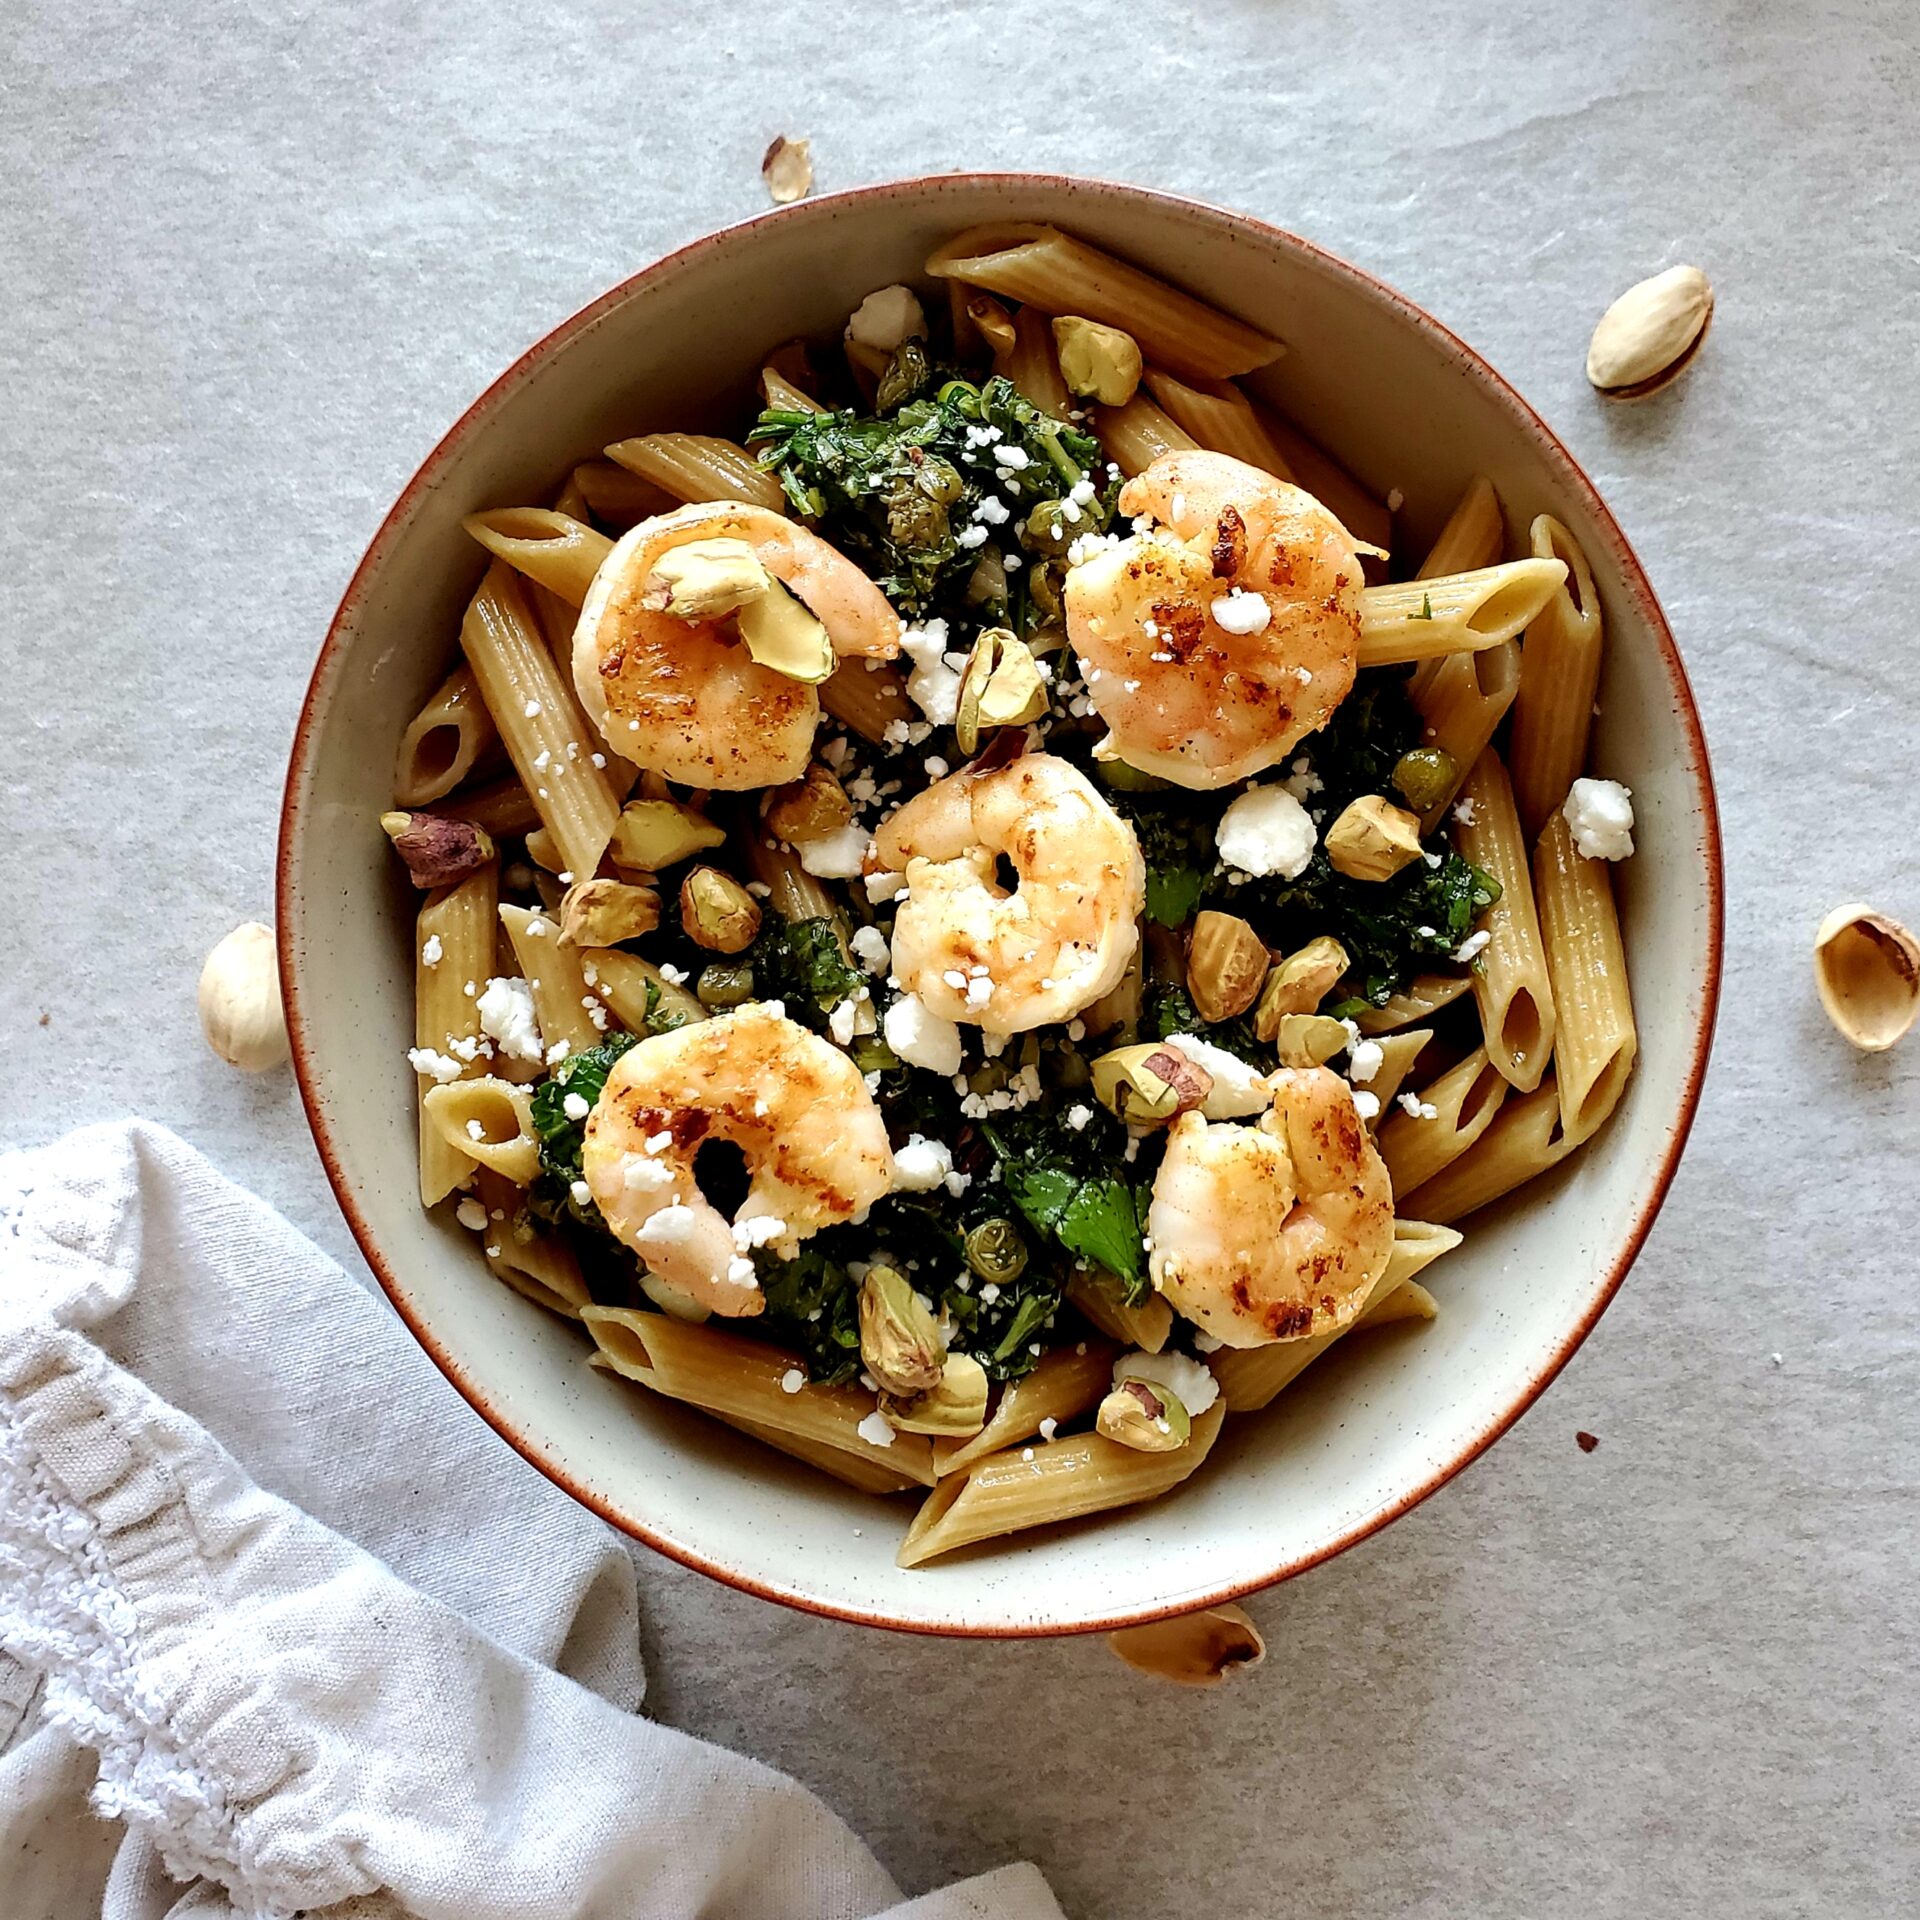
(303, 1632)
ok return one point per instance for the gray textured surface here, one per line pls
(253, 260)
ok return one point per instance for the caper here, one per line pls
(1043, 589)
(962, 394)
(871, 1054)
(906, 374)
(913, 519)
(995, 1251)
(1426, 775)
(1047, 529)
(724, 985)
(939, 480)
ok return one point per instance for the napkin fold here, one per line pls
(302, 1633)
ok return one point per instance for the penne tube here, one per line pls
(1524, 1141)
(551, 967)
(1398, 1052)
(1510, 982)
(635, 990)
(1064, 1383)
(1220, 418)
(1136, 435)
(1033, 365)
(1411, 620)
(443, 742)
(854, 1469)
(781, 396)
(550, 547)
(697, 466)
(869, 696)
(1041, 266)
(740, 1379)
(1064, 1480)
(794, 894)
(1465, 1098)
(1251, 1377)
(490, 1121)
(1595, 1038)
(503, 807)
(1474, 537)
(1420, 999)
(962, 325)
(993, 323)
(617, 498)
(1559, 676)
(1361, 511)
(1463, 698)
(455, 928)
(866, 366)
(1098, 1298)
(535, 1263)
(548, 739)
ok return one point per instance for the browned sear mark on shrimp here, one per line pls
(1229, 544)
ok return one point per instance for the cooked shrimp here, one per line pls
(797, 1108)
(1010, 961)
(1277, 1230)
(685, 698)
(1215, 642)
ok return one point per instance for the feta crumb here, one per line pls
(582, 1193)
(475, 1131)
(1266, 831)
(1463, 809)
(1600, 812)
(1417, 1108)
(1186, 1379)
(558, 1052)
(920, 1036)
(869, 946)
(740, 1272)
(638, 1174)
(921, 1165)
(1241, 612)
(886, 317)
(659, 1142)
(1016, 459)
(840, 1023)
(934, 683)
(576, 1106)
(532, 709)
(991, 511)
(1365, 1104)
(673, 1226)
(874, 1430)
(1026, 1454)
(1364, 1059)
(1078, 1116)
(989, 1293)
(431, 951)
(471, 1215)
(437, 1066)
(1049, 1427)
(884, 886)
(979, 992)
(1472, 946)
(792, 1380)
(674, 976)
(970, 537)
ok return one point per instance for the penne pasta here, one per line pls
(503, 807)
(636, 992)
(452, 951)
(869, 696)
(1559, 676)
(1420, 999)
(1032, 364)
(867, 364)
(697, 466)
(1360, 510)
(1595, 1038)
(1051, 270)
(782, 396)
(1465, 1098)
(490, 1121)
(1136, 435)
(1510, 981)
(535, 1263)
(444, 742)
(795, 894)
(854, 1469)
(992, 322)
(1525, 1141)
(1412, 620)
(1220, 418)
(1475, 535)
(1398, 1052)
(1252, 1377)
(549, 547)
(1062, 1386)
(617, 498)
(1063, 1480)
(1098, 1298)
(551, 967)
(1463, 698)
(740, 1379)
(548, 739)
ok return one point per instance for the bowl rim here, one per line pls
(1638, 587)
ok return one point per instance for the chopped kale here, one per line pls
(800, 962)
(663, 1015)
(1176, 841)
(813, 1306)
(585, 1074)
(1068, 1185)
(1169, 1010)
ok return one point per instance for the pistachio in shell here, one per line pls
(1309, 1039)
(899, 1343)
(717, 912)
(1144, 1415)
(1867, 968)
(438, 851)
(1648, 337)
(1226, 965)
(1149, 1083)
(955, 1405)
(1192, 1649)
(1001, 686)
(1299, 983)
(602, 913)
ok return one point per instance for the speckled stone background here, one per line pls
(254, 258)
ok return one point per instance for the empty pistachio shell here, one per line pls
(1647, 337)
(787, 168)
(1195, 1649)
(240, 1009)
(1867, 968)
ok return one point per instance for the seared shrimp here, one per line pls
(1010, 961)
(1277, 1230)
(685, 698)
(1215, 642)
(815, 1146)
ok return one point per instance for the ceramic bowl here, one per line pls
(1363, 1436)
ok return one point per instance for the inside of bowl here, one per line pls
(1364, 1432)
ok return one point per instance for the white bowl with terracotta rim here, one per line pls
(1361, 1437)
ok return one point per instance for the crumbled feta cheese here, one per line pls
(1302, 782)
(886, 317)
(674, 976)
(558, 1052)
(1049, 1427)
(471, 1215)
(1419, 1109)
(979, 992)
(840, 1023)
(431, 951)
(989, 1293)
(532, 709)
(1472, 946)
(1600, 812)
(506, 1013)
(1078, 1116)
(740, 1272)
(869, 946)
(1365, 1104)
(884, 886)
(1364, 1059)
(1240, 612)
(934, 683)
(639, 1174)
(1238, 1090)
(991, 511)
(970, 537)
(1266, 831)
(922, 1164)
(920, 1037)
(475, 1131)
(673, 1226)
(792, 1380)
(1016, 459)
(874, 1430)
(1463, 809)
(576, 1106)
(1186, 1379)
(582, 1193)
(437, 1066)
